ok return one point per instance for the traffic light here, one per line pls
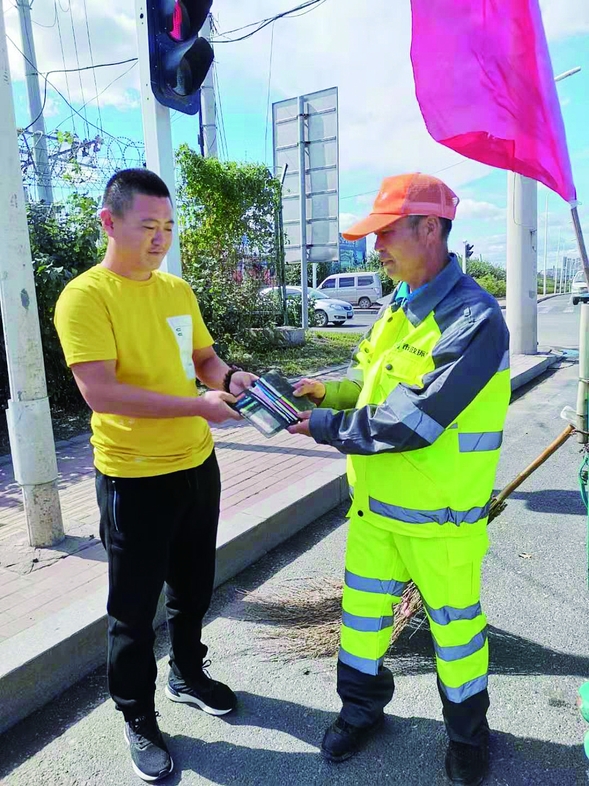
(179, 59)
(468, 247)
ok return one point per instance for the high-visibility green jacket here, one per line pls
(421, 413)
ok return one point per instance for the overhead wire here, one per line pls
(67, 83)
(92, 61)
(47, 27)
(261, 24)
(59, 93)
(268, 97)
(78, 62)
(222, 136)
(375, 190)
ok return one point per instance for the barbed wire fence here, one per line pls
(77, 164)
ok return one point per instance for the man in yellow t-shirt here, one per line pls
(136, 342)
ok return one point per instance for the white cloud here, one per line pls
(471, 209)
(564, 18)
(112, 35)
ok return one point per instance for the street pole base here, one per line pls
(43, 514)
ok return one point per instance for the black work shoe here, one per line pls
(343, 740)
(208, 694)
(467, 765)
(149, 754)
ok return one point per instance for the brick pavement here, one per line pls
(34, 583)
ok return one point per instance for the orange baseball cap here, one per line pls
(406, 195)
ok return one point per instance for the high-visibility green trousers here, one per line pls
(447, 571)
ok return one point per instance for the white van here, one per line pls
(360, 288)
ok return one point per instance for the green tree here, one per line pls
(230, 244)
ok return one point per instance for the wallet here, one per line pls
(270, 404)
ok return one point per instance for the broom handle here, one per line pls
(544, 456)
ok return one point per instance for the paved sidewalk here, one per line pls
(52, 601)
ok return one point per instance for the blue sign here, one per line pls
(352, 252)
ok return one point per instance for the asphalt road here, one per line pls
(536, 599)
(558, 322)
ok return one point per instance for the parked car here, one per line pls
(579, 286)
(326, 308)
(361, 289)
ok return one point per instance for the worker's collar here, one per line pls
(421, 302)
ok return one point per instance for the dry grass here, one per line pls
(304, 614)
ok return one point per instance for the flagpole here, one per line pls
(583, 390)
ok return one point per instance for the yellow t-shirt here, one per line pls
(151, 329)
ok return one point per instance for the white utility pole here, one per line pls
(465, 243)
(522, 257)
(208, 104)
(157, 133)
(29, 418)
(522, 264)
(303, 212)
(545, 244)
(44, 188)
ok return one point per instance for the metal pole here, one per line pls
(209, 107)
(281, 253)
(583, 390)
(44, 187)
(157, 132)
(545, 244)
(464, 256)
(522, 264)
(314, 275)
(559, 269)
(28, 415)
(303, 212)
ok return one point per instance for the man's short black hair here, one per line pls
(445, 223)
(124, 185)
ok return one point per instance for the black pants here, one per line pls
(157, 530)
(365, 696)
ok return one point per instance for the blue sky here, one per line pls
(366, 54)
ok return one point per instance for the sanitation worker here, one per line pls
(420, 416)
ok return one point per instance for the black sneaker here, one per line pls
(208, 694)
(342, 740)
(467, 765)
(149, 754)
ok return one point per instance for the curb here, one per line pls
(43, 661)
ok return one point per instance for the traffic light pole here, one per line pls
(29, 418)
(157, 132)
(303, 214)
(522, 264)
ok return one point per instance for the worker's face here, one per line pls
(142, 235)
(403, 247)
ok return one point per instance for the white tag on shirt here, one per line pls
(182, 328)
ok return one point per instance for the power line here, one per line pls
(268, 99)
(59, 93)
(92, 61)
(47, 27)
(110, 84)
(265, 22)
(87, 68)
(375, 190)
(78, 62)
(67, 83)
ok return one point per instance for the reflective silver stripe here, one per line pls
(366, 624)
(504, 365)
(447, 614)
(365, 665)
(412, 417)
(441, 516)
(460, 651)
(379, 586)
(351, 490)
(478, 442)
(464, 692)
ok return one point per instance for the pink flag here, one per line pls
(485, 85)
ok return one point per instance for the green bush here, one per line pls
(492, 285)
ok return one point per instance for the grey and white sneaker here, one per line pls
(149, 753)
(211, 696)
